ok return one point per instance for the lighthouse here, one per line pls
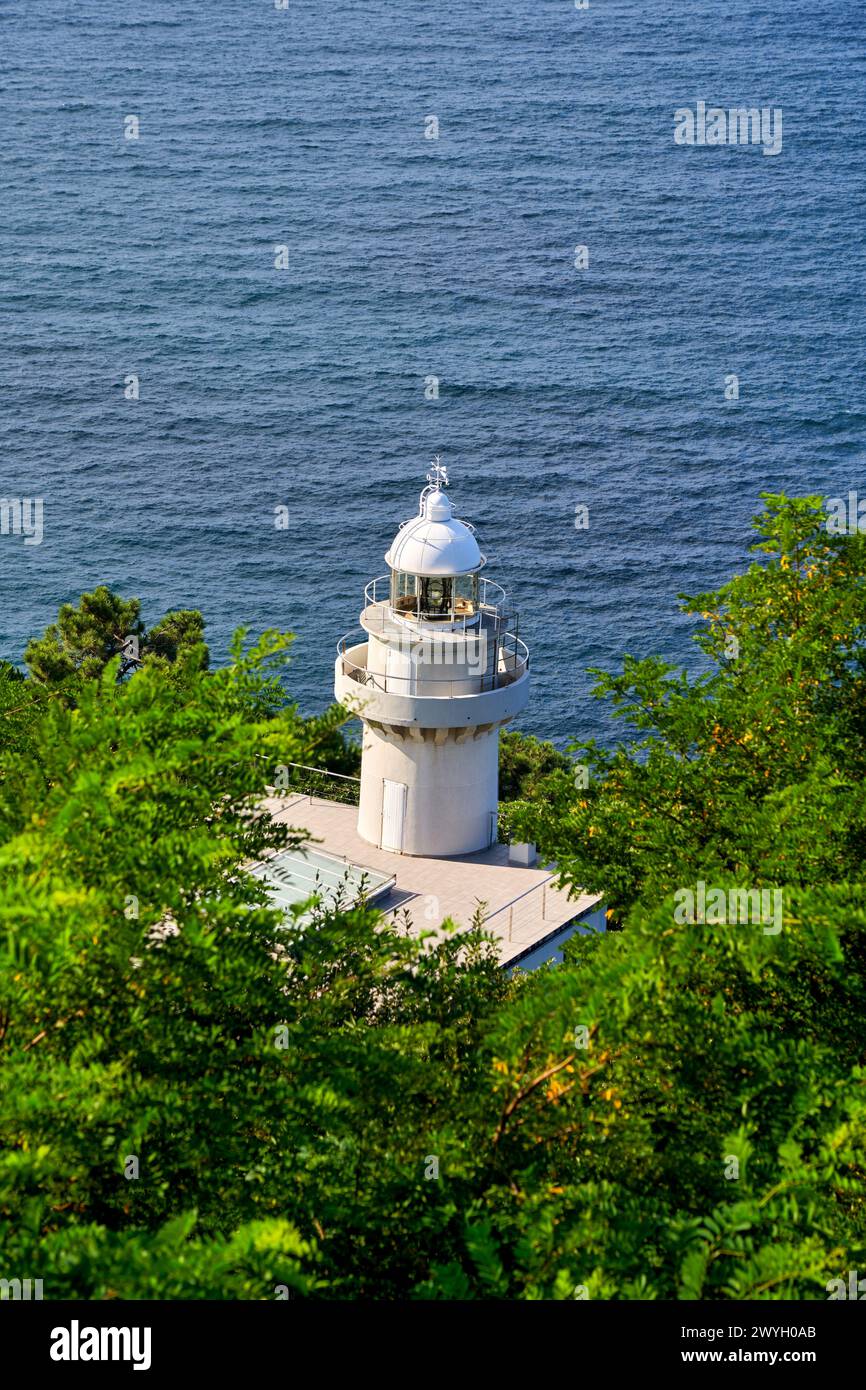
(434, 672)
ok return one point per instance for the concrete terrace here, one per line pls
(523, 909)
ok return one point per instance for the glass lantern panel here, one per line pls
(465, 595)
(436, 596)
(404, 592)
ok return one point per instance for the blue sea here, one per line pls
(406, 258)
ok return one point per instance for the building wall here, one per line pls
(443, 665)
(452, 780)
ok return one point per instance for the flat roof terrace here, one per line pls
(523, 909)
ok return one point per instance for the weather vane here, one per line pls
(438, 474)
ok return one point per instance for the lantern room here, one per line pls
(434, 562)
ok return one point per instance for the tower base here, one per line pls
(430, 792)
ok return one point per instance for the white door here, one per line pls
(393, 814)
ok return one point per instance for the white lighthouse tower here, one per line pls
(435, 671)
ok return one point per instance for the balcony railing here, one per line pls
(523, 916)
(322, 783)
(493, 604)
(512, 663)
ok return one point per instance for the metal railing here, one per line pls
(493, 603)
(512, 662)
(524, 913)
(318, 782)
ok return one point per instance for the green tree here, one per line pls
(153, 1009)
(755, 768)
(525, 763)
(103, 626)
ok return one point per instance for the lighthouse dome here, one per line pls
(435, 542)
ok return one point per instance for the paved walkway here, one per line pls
(520, 906)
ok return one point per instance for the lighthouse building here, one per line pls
(434, 672)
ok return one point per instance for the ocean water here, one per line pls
(406, 258)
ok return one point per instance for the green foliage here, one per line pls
(525, 763)
(754, 770)
(340, 1110)
(85, 639)
(19, 712)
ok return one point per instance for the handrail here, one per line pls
(325, 771)
(386, 579)
(517, 655)
(527, 912)
(305, 787)
(305, 767)
(344, 642)
(486, 603)
(535, 888)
